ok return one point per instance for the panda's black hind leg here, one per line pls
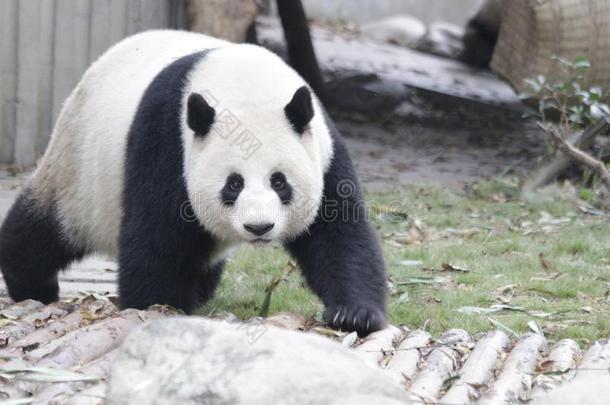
(32, 250)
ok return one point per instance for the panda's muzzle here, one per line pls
(258, 229)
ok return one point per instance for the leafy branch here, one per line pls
(568, 110)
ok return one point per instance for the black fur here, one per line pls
(32, 251)
(230, 191)
(299, 110)
(200, 116)
(339, 255)
(280, 185)
(259, 229)
(209, 282)
(300, 47)
(479, 43)
(162, 253)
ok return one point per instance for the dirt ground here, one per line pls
(389, 157)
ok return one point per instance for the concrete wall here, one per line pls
(46, 45)
(456, 11)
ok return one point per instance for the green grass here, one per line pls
(485, 230)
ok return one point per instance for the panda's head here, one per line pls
(256, 146)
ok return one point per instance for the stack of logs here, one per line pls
(61, 353)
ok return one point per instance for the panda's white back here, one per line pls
(82, 169)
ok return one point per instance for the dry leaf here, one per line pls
(544, 263)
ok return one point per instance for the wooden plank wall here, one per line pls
(46, 45)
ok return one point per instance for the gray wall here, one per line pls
(46, 45)
(359, 11)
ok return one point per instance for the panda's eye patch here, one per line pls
(278, 181)
(232, 188)
(282, 188)
(235, 182)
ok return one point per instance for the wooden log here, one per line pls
(60, 393)
(557, 368)
(28, 323)
(515, 379)
(81, 346)
(88, 312)
(378, 345)
(222, 19)
(479, 369)
(5, 302)
(595, 360)
(440, 365)
(87, 344)
(20, 309)
(286, 320)
(403, 365)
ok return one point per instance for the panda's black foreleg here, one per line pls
(340, 255)
(161, 262)
(149, 276)
(32, 250)
(209, 280)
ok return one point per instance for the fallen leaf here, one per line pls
(403, 298)
(411, 263)
(449, 267)
(544, 263)
(502, 326)
(535, 328)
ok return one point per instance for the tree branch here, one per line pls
(578, 155)
(560, 161)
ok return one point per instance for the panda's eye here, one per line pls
(236, 182)
(278, 181)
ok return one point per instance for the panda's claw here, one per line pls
(359, 318)
(334, 322)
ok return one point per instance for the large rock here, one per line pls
(403, 30)
(198, 361)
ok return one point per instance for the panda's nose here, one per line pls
(258, 229)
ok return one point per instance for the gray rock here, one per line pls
(403, 30)
(188, 360)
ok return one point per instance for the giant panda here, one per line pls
(172, 149)
(481, 34)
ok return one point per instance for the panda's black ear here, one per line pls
(300, 109)
(199, 115)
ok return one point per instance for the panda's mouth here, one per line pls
(260, 241)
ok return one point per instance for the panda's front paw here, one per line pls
(353, 317)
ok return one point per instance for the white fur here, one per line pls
(82, 169)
